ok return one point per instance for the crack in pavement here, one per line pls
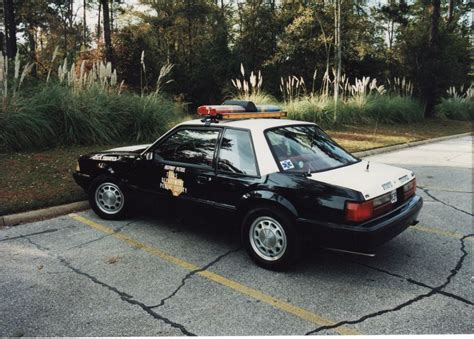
(191, 274)
(30, 234)
(124, 296)
(117, 230)
(415, 282)
(435, 290)
(427, 191)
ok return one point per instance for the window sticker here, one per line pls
(287, 165)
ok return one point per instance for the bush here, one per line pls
(55, 115)
(259, 98)
(382, 108)
(456, 109)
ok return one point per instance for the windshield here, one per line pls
(306, 148)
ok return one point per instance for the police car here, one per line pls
(287, 181)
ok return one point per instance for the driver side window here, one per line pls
(190, 146)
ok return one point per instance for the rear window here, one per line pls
(306, 148)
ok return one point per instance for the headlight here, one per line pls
(78, 167)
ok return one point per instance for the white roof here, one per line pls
(255, 125)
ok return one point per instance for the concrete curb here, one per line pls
(45, 213)
(51, 212)
(408, 144)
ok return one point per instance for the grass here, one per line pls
(357, 138)
(38, 179)
(32, 180)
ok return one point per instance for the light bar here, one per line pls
(233, 112)
(214, 110)
(253, 115)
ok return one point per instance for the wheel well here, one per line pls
(253, 204)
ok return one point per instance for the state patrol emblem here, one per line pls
(173, 183)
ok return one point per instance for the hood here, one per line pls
(378, 180)
(119, 154)
(133, 149)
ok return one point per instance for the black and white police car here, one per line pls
(287, 181)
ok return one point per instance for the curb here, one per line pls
(51, 212)
(387, 149)
(45, 213)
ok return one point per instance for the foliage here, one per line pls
(456, 109)
(459, 105)
(55, 114)
(374, 108)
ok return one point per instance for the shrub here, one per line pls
(54, 115)
(381, 108)
(456, 108)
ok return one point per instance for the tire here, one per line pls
(281, 245)
(108, 198)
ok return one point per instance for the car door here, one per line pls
(237, 168)
(181, 166)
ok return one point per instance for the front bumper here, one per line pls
(367, 236)
(82, 179)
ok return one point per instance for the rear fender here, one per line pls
(265, 198)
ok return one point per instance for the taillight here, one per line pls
(409, 189)
(359, 211)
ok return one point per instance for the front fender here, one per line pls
(262, 197)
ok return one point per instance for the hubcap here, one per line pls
(109, 198)
(268, 238)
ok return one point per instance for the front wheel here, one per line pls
(269, 238)
(108, 199)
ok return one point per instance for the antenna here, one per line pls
(368, 165)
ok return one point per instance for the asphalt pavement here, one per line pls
(175, 274)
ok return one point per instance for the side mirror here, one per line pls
(148, 156)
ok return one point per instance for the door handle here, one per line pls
(201, 179)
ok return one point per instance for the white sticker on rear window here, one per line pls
(287, 164)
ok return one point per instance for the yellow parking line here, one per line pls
(245, 290)
(437, 231)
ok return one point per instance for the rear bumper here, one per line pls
(367, 236)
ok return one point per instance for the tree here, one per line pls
(109, 52)
(10, 28)
(258, 29)
(430, 88)
(337, 53)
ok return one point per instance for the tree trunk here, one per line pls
(111, 7)
(431, 92)
(32, 43)
(10, 28)
(337, 53)
(107, 35)
(99, 32)
(84, 22)
(450, 12)
(2, 36)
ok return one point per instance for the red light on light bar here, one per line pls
(213, 110)
(359, 211)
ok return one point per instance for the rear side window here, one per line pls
(236, 153)
(191, 146)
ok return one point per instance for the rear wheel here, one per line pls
(108, 198)
(270, 239)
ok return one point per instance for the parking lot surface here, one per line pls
(173, 274)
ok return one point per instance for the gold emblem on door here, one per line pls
(173, 183)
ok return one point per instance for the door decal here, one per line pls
(172, 182)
